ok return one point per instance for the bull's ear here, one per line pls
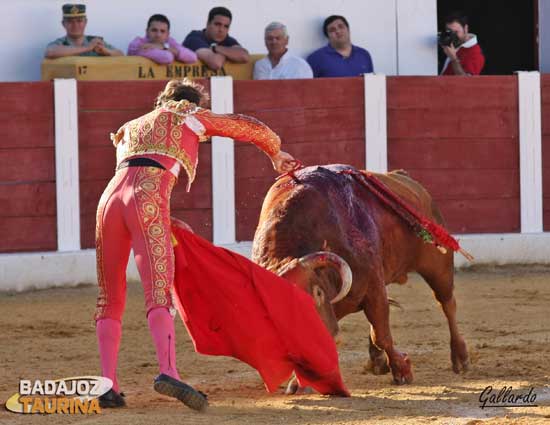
(318, 295)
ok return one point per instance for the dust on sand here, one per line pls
(502, 312)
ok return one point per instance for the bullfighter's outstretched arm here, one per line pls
(241, 128)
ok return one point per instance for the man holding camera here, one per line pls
(464, 56)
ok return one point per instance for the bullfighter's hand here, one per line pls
(283, 162)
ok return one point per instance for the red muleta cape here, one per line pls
(233, 307)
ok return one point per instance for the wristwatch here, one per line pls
(213, 47)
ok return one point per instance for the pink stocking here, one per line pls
(108, 337)
(161, 325)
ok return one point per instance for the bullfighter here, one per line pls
(134, 212)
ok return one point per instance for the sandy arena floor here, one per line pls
(503, 314)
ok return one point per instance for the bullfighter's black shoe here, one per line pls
(171, 387)
(112, 399)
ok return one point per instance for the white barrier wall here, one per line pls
(375, 25)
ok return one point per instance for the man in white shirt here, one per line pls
(279, 63)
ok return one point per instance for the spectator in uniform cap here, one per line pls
(75, 43)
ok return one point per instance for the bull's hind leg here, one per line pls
(441, 280)
(377, 310)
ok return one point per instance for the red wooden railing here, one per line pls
(457, 136)
(460, 138)
(27, 167)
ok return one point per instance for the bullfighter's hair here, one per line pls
(184, 89)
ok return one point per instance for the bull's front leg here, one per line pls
(377, 310)
(378, 362)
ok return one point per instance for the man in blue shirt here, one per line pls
(213, 45)
(339, 58)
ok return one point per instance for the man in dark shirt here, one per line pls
(213, 45)
(339, 58)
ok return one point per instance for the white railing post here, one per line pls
(223, 166)
(66, 165)
(530, 152)
(376, 134)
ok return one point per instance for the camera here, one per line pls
(448, 37)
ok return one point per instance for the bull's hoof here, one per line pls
(305, 391)
(381, 369)
(402, 380)
(461, 364)
(459, 357)
(402, 370)
(378, 366)
(294, 389)
(461, 367)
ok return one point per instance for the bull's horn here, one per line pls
(325, 258)
(288, 268)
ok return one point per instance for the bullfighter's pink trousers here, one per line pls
(134, 212)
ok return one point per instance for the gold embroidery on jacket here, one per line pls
(160, 132)
(150, 134)
(242, 128)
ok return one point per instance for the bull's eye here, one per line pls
(318, 295)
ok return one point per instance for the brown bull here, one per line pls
(320, 223)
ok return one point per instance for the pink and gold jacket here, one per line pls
(175, 129)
